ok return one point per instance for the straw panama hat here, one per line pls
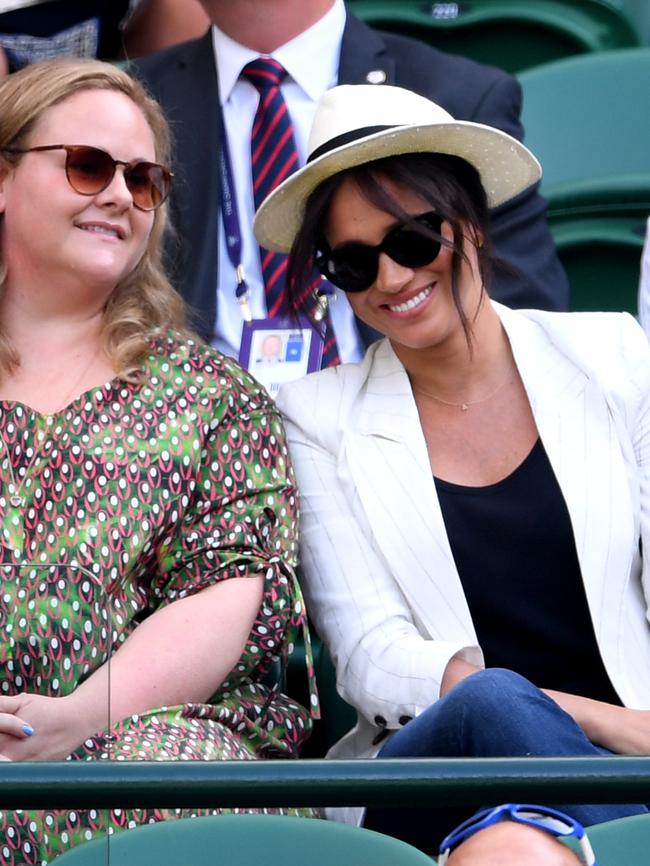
(358, 123)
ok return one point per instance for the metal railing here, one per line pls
(396, 782)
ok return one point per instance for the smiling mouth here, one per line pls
(412, 303)
(102, 230)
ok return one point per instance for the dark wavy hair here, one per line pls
(449, 184)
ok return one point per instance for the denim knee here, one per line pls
(494, 689)
(495, 700)
(492, 713)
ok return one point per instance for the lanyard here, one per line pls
(231, 224)
(232, 229)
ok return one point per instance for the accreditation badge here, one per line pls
(280, 350)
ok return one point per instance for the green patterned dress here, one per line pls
(131, 497)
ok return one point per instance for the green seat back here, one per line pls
(511, 34)
(599, 227)
(233, 840)
(602, 259)
(638, 11)
(588, 117)
(623, 842)
(603, 272)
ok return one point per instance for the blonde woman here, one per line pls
(146, 501)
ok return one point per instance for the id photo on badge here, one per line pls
(276, 355)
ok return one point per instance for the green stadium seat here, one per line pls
(512, 34)
(587, 120)
(232, 840)
(587, 117)
(638, 11)
(601, 253)
(625, 841)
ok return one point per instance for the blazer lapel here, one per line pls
(388, 460)
(578, 430)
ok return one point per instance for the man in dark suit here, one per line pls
(184, 79)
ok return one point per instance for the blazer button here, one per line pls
(380, 721)
(404, 720)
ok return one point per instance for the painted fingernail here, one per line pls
(28, 730)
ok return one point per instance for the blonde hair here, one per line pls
(144, 302)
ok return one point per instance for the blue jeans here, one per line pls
(494, 713)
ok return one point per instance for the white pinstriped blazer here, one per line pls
(379, 575)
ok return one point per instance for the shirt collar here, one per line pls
(297, 56)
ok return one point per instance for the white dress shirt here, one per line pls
(644, 285)
(311, 61)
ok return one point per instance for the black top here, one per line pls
(515, 553)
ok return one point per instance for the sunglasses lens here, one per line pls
(89, 169)
(148, 183)
(409, 247)
(352, 268)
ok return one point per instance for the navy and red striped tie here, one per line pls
(274, 157)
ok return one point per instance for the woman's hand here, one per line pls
(56, 729)
(619, 729)
(456, 671)
(12, 727)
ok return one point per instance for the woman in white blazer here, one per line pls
(475, 492)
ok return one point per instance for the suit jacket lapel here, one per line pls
(363, 50)
(196, 129)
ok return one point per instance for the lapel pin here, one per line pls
(376, 76)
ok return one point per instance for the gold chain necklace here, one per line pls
(464, 406)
